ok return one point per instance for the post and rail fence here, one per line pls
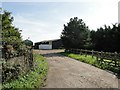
(103, 57)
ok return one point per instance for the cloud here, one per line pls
(107, 14)
(47, 24)
(37, 30)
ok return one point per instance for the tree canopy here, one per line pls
(10, 34)
(77, 35)
(107, 38)
(74, 34)
(28, 42)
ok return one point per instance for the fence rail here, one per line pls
(102, 57)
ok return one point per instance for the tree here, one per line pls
(74, 34)
(10, 34)
(28, 42)
(107, 38)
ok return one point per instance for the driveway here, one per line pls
(65, 72)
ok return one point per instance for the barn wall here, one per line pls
(45, 46)
(57, 44)
(36, 46)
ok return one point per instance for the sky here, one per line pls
(44, 20)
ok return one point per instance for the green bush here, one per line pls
(28, 42)
(33, 79)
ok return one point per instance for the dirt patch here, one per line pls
(65, 72)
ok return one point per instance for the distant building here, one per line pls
(49, 44)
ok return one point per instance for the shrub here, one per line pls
(33, 79)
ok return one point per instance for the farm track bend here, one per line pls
(65, 72)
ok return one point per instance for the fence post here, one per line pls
(115, 59)
(92, 53)
(65, 50)
(101, 56)
(77, 51)
(97, 56)
(80, 52)
(85, 53)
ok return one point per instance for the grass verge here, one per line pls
(92, 60)
(33, 79)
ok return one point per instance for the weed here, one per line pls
(34, 78)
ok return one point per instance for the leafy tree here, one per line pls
(10, 34)
(74, 34)
(28, 42)
(107, 38)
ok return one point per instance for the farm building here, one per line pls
(49, 44)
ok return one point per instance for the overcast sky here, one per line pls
(44, 20)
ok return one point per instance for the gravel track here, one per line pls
(65, 72)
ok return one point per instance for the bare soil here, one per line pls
(65, 72)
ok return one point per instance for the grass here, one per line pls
(92, 60)
(34, 78)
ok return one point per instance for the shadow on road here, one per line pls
(52, 54)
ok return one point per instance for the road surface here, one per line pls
(65, 72)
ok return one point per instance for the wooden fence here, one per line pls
(112, 59)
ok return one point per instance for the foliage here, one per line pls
(10, 34)
(74, 34)
(16, 65)
(107, 38)
(88, 59)
(13, 48)
(34, 78)
(28, 42)
(10, 72)
(77, 35)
